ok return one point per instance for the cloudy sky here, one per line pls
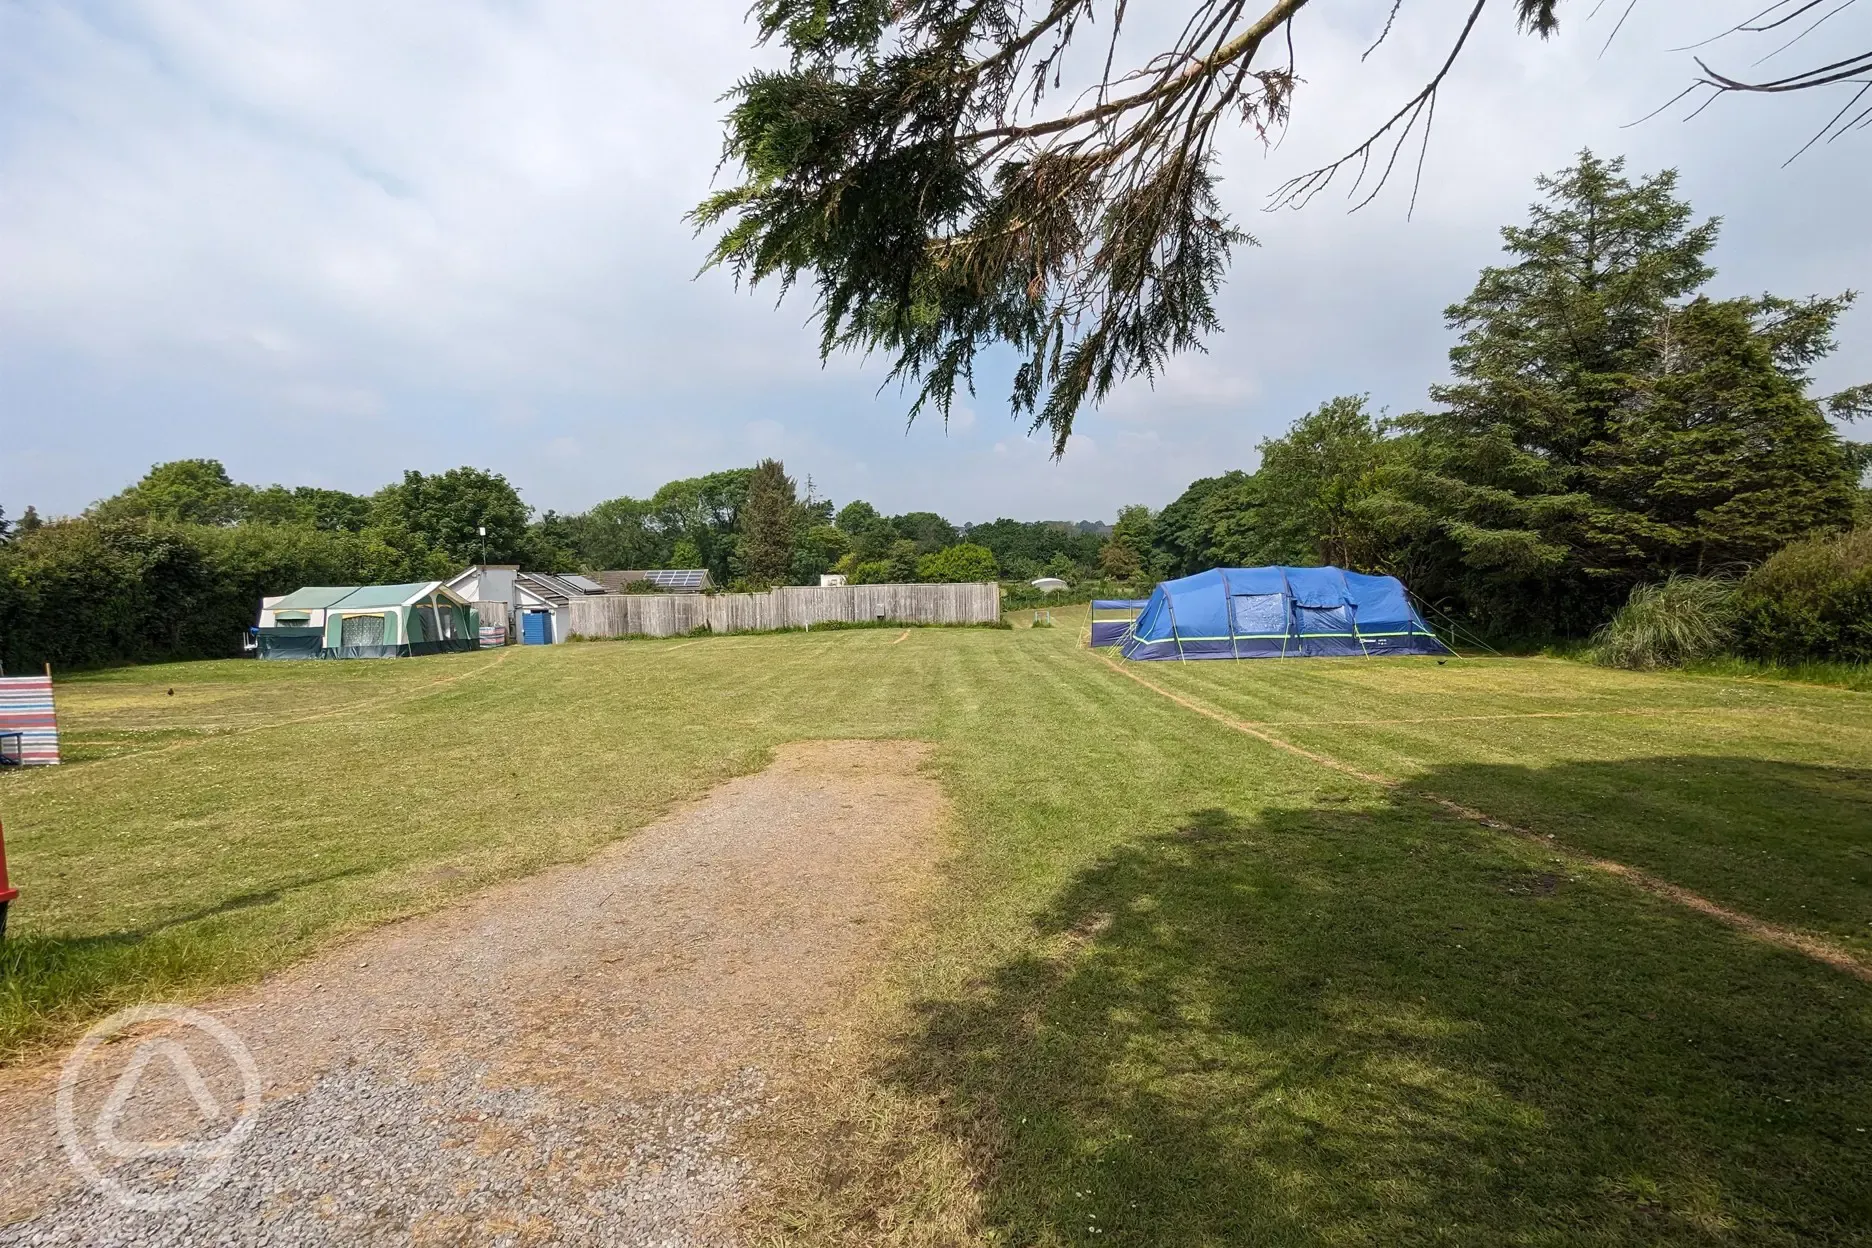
(326, 242)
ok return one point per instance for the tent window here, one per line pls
(1323, 620)
(361, 630)
(1260, 615)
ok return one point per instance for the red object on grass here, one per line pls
(7, 891)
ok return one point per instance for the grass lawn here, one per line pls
(1180, 987)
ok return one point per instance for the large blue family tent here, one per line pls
(1279, 613)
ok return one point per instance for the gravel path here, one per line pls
(565, 1059)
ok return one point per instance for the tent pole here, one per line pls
(1353, 608)
(1175, 632)
(1228, 608)
(1286, 612)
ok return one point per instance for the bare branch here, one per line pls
(1297, 192)
(1390, 18)
(1852, 69)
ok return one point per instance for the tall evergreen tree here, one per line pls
(1717, 458)
(1590, 388)
(764, 552)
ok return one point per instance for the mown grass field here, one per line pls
(1180, 986)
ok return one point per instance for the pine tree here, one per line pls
(1717, 458)
(764, 551)
(1605, 425)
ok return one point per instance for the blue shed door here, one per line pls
(536, 628)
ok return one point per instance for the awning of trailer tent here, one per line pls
(289, 642)
(1279, 612)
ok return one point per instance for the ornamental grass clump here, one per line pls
(1669, 623)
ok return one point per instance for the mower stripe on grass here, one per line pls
(1810, 946)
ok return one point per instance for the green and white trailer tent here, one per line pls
(366, 622)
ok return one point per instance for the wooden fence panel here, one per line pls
(790, 606)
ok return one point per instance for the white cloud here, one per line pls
(338, 400)
(764, 437)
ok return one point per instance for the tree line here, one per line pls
(756, 527)
(174, 566)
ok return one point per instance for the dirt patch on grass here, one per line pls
(1530, 884)
(586, 1055)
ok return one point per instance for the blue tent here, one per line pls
(1111, 632)
(1279, 613)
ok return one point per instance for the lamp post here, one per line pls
(483, 530)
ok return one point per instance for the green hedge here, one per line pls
(1812, 600)
(85, 593)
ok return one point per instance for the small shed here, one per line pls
(366, 622)
(528, 607)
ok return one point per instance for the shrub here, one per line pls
(955, 564)
(1669, 623)
(87, 592)
(1811, 600)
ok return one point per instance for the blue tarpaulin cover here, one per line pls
(1274, 613)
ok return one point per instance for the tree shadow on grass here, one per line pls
(46, 978)
(1783, 842)
(1381, 1024)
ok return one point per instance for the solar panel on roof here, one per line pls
(676, 578)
